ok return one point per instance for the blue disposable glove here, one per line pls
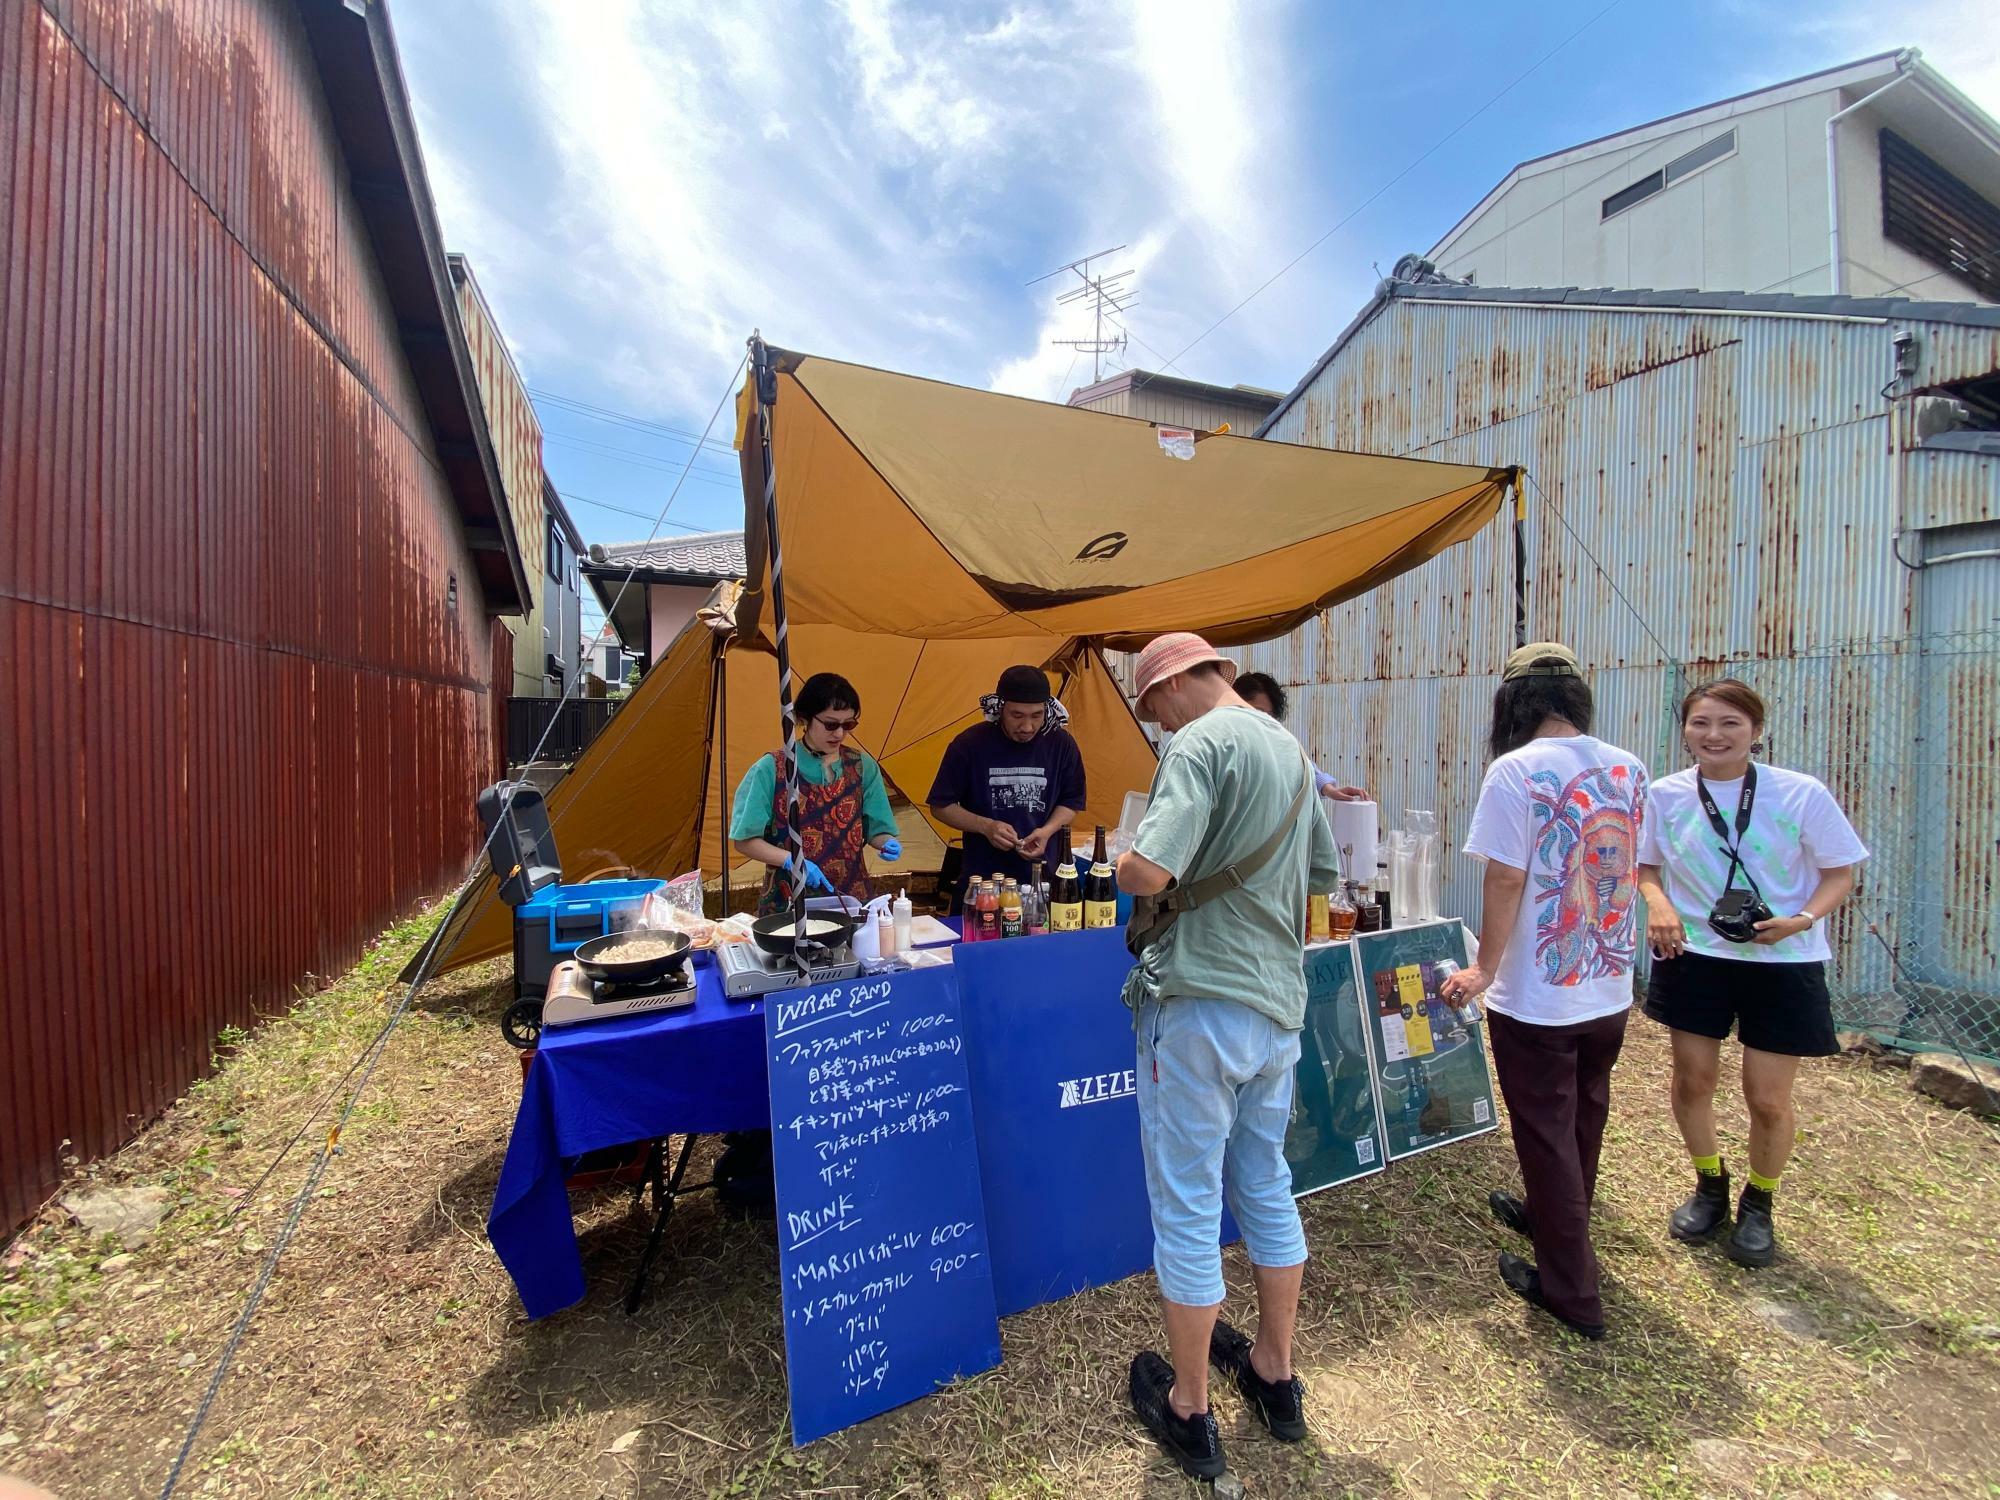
(891, 850)
(814, 875)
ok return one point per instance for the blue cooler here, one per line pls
(558, 919)
(551, 920)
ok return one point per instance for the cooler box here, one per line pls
(558, 919)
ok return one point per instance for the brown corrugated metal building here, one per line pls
(1174, 401)
(1718, 482)
(252, 544)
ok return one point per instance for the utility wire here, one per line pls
(372, 1054)
(1555, 510)
(629, 419)
(1353, 213)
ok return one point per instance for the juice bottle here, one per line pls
(1010, 910)
(1100, 888)
(1035, 910)
(1318, 929)
(989, 911)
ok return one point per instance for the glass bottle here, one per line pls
(1066, 895)
(1340, 912)
(1010, 909)
(1100, 888)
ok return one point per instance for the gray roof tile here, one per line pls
(703, 555)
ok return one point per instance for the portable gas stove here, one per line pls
(574, 996)
(748, 971)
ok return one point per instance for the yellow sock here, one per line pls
(1709, 1166)
(1764, 1184)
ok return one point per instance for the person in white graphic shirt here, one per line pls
(1741, 866)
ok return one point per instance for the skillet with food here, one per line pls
(639, 956)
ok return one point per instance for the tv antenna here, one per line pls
(1101, 293)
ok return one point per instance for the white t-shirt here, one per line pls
(1568, 810)
(1796, 830)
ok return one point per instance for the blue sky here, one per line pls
(638, 185)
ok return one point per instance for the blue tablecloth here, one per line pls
(694, 1071)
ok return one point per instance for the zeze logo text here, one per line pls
(1097, 1088)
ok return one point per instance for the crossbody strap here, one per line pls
(1232, 877)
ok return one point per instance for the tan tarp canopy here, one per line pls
(933, 535)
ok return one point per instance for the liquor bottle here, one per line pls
(1066, 895)
(1382, 894)
(1100, 888)
(1318, 924)
(1010, 909)
(1340, 912)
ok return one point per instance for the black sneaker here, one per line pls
(1191, 1442)
(1525, 1282)
(1279, 1404)
(1754, 1241)
(1510, 1211)
(1706, 1212)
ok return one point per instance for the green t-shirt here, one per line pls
(757, 794)
(1223, 784)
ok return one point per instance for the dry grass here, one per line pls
(391, 1357)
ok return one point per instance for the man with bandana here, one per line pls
(1010, 784)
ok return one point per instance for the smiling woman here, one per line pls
(1740, 867)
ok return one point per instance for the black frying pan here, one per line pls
(775, 934)
(599, 957)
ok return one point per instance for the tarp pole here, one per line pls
(767, 401)
(1520, 562)
(724, 802)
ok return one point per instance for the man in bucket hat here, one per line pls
(1232, 841)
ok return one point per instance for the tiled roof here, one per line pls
(707, 556)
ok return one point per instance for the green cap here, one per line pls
(1542, 659)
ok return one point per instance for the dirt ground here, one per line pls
(391, 1356)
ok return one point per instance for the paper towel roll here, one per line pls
(1354, 828)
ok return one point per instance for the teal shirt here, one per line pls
(1221, 788)
(757, 795)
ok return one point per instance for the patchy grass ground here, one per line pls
(391, 1357)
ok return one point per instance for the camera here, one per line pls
(1736, 914)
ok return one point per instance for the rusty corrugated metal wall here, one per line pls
(1733, 476)
(240, 725)
(517, 444)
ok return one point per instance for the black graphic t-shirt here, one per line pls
(986, 773)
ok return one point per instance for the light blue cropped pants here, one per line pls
(1215, 1097)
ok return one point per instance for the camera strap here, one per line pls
(1732, 848)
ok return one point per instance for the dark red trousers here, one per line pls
(1557, 1084)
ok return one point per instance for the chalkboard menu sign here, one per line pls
(888, 1287)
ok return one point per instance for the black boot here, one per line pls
(1706, 1212)
(1753, 1242)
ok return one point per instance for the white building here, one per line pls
(1874, 179)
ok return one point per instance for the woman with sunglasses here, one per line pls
(844, 806)
(1741, 865)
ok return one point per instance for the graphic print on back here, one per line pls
(1586, 858)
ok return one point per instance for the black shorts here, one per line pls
(1781, 1008)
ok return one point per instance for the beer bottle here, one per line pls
(1100, 888)
(1066, 895)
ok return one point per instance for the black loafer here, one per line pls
(1525, 1282)
(1279, 1404)
(1191, 1442)
(1754, 1240)
(1510, 1211)
(1705, 1214)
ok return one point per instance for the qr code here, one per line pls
(1364, 1151)
(1482, 1112)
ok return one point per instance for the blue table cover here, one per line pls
(698, 1070)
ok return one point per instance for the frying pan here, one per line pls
(775, 933)
(599, 957)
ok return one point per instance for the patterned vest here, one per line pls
(832, 830)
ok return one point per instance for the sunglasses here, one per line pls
(838, 726)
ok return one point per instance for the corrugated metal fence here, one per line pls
(241, 720)
(1711, 494)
